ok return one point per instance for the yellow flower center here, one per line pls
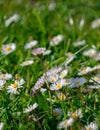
(2, 76)
(15, 85)
(84, 71)
(62, 75)
(8, 48)
(58, 86)
(89, 53)
(74, 115)
(53, 79)
(96, 78)
(78, 83)
(56, 40)
(55, 113)
(26, 62)
(62, 96)
(88, 129)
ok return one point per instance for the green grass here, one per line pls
(36, 22)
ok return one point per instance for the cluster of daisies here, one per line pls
(54, 79)
(12, 88)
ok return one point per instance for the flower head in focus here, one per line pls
(8, 48)
(13, 88)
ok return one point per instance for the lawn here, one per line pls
(49, 65)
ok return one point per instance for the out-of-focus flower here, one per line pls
(70, 57)
(43, 90)
(31, 44)
(79, 43)
(2, 83)
(61, 96)
(31, 108)
(27, 63)
(8, 48)
(76, 114)
(13, 18)
(85, 70)
(5, 76)
(90, 52)
(47, 52)
(81, 24)
(52, 6)
(71, 21)
(54, 70)
(93, 86)
(56, 40)
(13, 88)
(63, 73)
(1, 125)
(38, 51)
(95, 23)
(97, 56)
(66, 123)
(76, 82)
(52, 77)
(92, 126)
(57, 112)
(95, 78)
(38, 85)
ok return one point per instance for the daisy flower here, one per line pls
(66, 123)
(38, 51)
(93, 86)
(31, 44)
(57, 112)
(70, 57)
(13, 18)
(92, 126)
(40, 82)
(69, 54)
(96, 67)
(51, 77)
(61, 96)
(95, 23)
(31, 108)
(90, 52)
(27, 63)
(79, 43)
(2, 83)
(13, 88)
(95, 78)
(1, 125)
(77, 82)
(56, 40)
(85, 70)
(97, 56)
(76, 114)
(5, 76)
(58, 84)
(47, 52)
(8, 48)
(63, 73)
(54, 70)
